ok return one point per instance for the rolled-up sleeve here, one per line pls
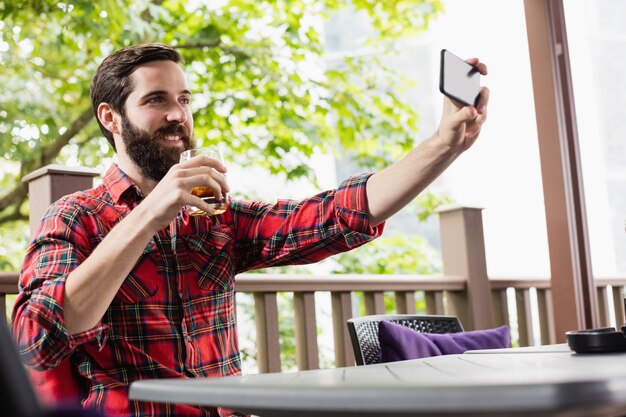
(298, 232)
(59, 246)
(352, 211)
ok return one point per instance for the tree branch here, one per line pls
(216, 44)
(16, 215)
(199, 45)
(17, 196)
(51, 151)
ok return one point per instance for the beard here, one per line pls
(147, 151)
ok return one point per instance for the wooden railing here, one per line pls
(342, 288)
(525, 325)
(438, 293)
(611, 291)
(464, 290)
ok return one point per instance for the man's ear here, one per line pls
(109, 118)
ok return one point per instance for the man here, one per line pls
(122, 284)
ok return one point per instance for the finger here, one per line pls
(202, 176)
(475, 62)
(455, 107)
(215, 181)
(204, 160)
(221, 181)
(478, 122)
(213, 163)
(464, 115)
(201, 204)
(482, 68)
(483, 100)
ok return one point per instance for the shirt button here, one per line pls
(180, 294)
(189, 339)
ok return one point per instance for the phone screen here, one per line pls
(458, 79)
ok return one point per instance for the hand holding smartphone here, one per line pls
(459, 80)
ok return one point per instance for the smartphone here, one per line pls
(459, 80)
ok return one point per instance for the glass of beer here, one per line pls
(205, 193)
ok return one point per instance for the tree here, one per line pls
(257, 68)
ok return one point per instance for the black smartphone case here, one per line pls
(455, 79)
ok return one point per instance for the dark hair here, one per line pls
(112, 84)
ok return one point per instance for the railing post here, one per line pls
(267, 332)
(306, 331)
(546, 318)
(524, 317)
(405, 302)
(374, 302)
(342, 311)
(463, 253)
(434, 302)
(500, 307)
(47, 184)
(603, 306)
(618, 305)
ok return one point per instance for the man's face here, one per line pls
(158, 124)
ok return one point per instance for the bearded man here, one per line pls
(120, 283)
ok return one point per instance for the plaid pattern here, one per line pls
(174, 315)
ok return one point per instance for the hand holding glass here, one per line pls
(205, 193)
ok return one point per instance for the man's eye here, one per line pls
(155, 100)
(185, 100)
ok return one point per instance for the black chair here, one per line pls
(364, 331)
(17, 396)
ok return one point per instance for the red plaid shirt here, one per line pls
(174, 315)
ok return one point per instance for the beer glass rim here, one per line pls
(186, 154)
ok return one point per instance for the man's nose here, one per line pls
(176, 114)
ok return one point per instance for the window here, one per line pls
(597, 46)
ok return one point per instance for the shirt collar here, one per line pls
(117, 184)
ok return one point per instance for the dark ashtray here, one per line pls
(606, 339)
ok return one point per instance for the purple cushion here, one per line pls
(399, 343)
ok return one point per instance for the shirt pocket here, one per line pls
(141, 283)
(211, 258)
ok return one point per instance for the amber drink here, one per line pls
(205, 193)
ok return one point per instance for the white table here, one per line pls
(538, 381)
